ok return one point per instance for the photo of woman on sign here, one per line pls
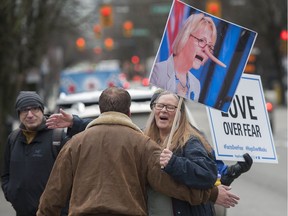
(201, 57)
(192, 47)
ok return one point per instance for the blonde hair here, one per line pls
(184, 129)
(191, 25)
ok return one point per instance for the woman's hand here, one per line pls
(165, 156)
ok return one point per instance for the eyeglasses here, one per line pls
(203, 43)
(169, 108)
(33, 110)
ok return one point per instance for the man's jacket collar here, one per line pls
(114, 118)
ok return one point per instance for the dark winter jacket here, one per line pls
(193, 167)
(79, 125)
(26, 169)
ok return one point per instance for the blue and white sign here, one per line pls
(245, 128)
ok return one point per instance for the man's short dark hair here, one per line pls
(115, 99)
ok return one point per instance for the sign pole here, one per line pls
(176, 119)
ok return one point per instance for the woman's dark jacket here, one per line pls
(187, 166)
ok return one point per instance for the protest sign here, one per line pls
(201, 57)
(245, 127)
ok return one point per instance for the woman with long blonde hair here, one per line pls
(191, 162)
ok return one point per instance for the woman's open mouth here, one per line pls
(199, 57)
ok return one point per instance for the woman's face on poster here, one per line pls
(197, 46)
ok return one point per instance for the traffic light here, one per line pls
(284, 35)
(251, 67)
(97, 31)
(127, 28)
(80, 43)
(97, 50)
(135, 59)
(283, 41)
(109, 43)
(106, 15)
(213, 7)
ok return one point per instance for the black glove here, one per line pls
(236, 170)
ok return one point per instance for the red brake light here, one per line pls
(71, 89)
(137, 78)
(111, 84)
(145, 82)
(269, 106)
(126, 85)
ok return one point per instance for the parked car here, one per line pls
(86, 105)
(86, 77)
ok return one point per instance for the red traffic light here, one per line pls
(284, 35)
(106, 16)
(214, 8)
(127, 28)
(135, 59)
(80, 43)
(97, 28)
(106, 11)
(97, 50)
(109, 43)
(128, 25)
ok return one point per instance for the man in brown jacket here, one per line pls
(106, 168)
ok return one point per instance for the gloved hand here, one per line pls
(236, 170)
